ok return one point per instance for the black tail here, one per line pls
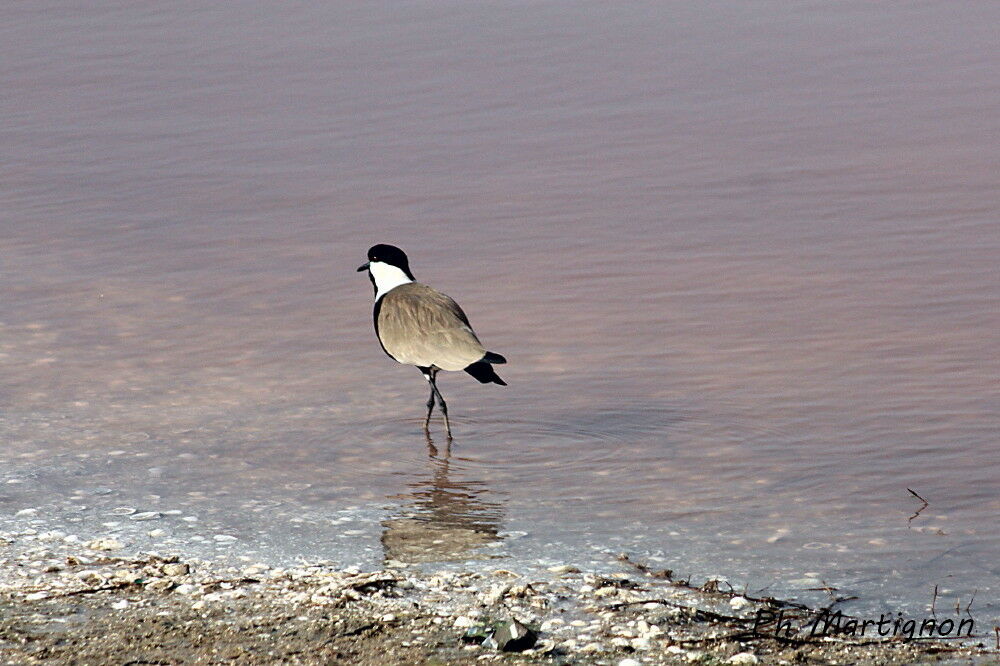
(483, 371)
(494, 358)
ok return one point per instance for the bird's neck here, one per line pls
(387, 277)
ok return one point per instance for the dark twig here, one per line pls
(829, 589)
(971, 600)
(686, 584)
(666, 574)
(697, 612)
(926, 504)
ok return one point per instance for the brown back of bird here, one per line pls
(420, 326)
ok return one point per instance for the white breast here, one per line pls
(387, 277)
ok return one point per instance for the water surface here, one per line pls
(742, 258)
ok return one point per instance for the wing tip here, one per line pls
(493, 357)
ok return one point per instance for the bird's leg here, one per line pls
(441, 402)
(430, 408)
(430, 401)
(444, 411)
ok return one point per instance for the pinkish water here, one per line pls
(743, 258)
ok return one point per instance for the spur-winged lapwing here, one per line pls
(420, 326)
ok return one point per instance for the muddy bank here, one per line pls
(93, 606)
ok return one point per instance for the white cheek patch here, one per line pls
(387, 277)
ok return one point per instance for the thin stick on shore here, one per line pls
(926, 504)
(971, 600)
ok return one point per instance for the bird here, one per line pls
(418, 325)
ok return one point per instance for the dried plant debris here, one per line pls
(924, 505)
(96, 607)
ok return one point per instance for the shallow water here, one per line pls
(742, 258)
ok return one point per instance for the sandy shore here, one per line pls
(95, 606)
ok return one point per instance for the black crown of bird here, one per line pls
(418, 325)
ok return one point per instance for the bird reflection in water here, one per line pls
(442, 519)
